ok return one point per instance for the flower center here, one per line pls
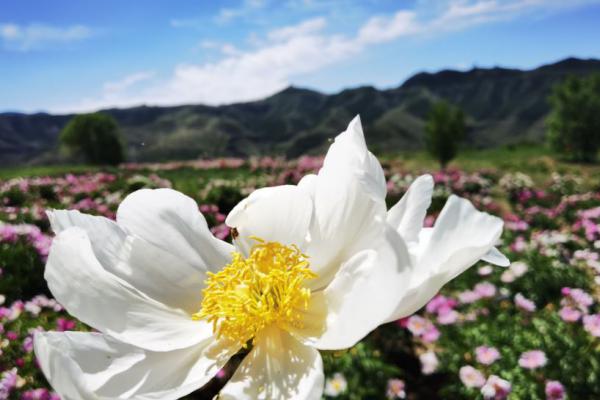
(252, 293)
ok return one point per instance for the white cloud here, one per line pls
(230, 50)
(288, 52)
(37, 36)
(127, 82)
(307, 27)
(384, 29)
(226, 15)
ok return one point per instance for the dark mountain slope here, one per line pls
(502, 105)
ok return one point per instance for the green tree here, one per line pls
(574, 122)
(444, 130)
(96, 137)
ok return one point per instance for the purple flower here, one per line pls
(524, 303)
(8, 381)
(533, 359)
(471, 377)
(37, 394)
(28, 344)
(487, 355)
(554, 390)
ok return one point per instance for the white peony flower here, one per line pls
(314, 266)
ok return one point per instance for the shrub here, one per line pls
(574, 123)
(96, 137)
(444, 130)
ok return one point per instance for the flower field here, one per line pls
(529, 331)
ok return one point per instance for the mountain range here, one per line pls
(503, 106)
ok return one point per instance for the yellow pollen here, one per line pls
(252, 293)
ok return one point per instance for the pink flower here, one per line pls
(569, 314)
(28, 344)
(582, 298)
(485, 289)
(221, 231)
(591, 323)
(8, 233)
(487, 355)
(432, 334)
(524, 303)
(471, 377)
(63, 324)
(417, 325)
(519, 245)
(496, 388)
(508, 276)
(429, 362)
(396, 389)
(468, 297)
(576, 298)
(440, 304)
(533, 359)
(403, 322)
(554, 390)
(448, 317)
(485, 270)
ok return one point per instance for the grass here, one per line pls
(49, 170)
(536, 161)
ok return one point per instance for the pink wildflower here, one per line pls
(471, 377)
(533, 359)
(487, 355)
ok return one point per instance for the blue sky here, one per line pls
(66, 56)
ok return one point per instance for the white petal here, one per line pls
(171, 221)
(111, 305)
(494, 256)
(276, 214)
(408, 214)
(82, 366)
(155, 272)
(461, 237)
(278, 367)
(308, 183)
(106, 236)
(349, 154)
(364, 292)
(349, 196)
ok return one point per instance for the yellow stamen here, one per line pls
(252, 293)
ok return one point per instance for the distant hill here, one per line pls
(503, 106)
